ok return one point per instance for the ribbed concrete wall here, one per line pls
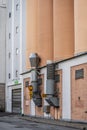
(50, 29)
(80, 20)
(63, 23)
(39, 29)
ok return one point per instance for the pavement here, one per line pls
(5, 114)
(71, 124)
(13, 122)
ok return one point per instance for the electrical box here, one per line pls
(37, 100)
(46, 109)
(50, 87)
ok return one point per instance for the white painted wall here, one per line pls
(17, 40)
(9, 99)
(3, 3)
(66, 83)
(32, 109)
(23, 48)
(17, 61)
(2, 43)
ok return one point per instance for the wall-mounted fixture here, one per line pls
(46, 109)
(35, 80)
(50, 84)
(34, 60)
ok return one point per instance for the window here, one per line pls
(17, 7)
(9, 14)
(79, 74)
(17, 51)
(16, 73)
(9, 54)
(26, 83)
(17, 29)
(9, 75)
(57, 78)
(9, 35)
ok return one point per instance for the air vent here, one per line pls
(79, 74)
(51, 71)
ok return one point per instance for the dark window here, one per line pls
(9, 75)
(57, 78)
(9, 35)
(9, 54)
(39, 81)
(9, 14)
(26, 83)
(79, 74)
(17, 51)
(17, 7)
(16, 73)
(17, 29)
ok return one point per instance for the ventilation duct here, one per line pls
(37, 100)
(34, 81)
(53, 101)
(50, 83)
(34, 59)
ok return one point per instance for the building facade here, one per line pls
(2, 53)
(49, 54)
(15, 53)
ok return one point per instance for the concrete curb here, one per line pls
(82, 126)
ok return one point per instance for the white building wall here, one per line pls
(66, 83)
(9, 41)
(15, 45)
(2, 41)
(23, 37)
(3, 3)
(9, 99)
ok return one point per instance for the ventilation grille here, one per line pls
(51, 71)
(79, 74)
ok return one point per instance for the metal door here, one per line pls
(16, 100)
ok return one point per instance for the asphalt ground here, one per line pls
(68, 124)
(71, 124)
(5, 114)
(13, 122)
